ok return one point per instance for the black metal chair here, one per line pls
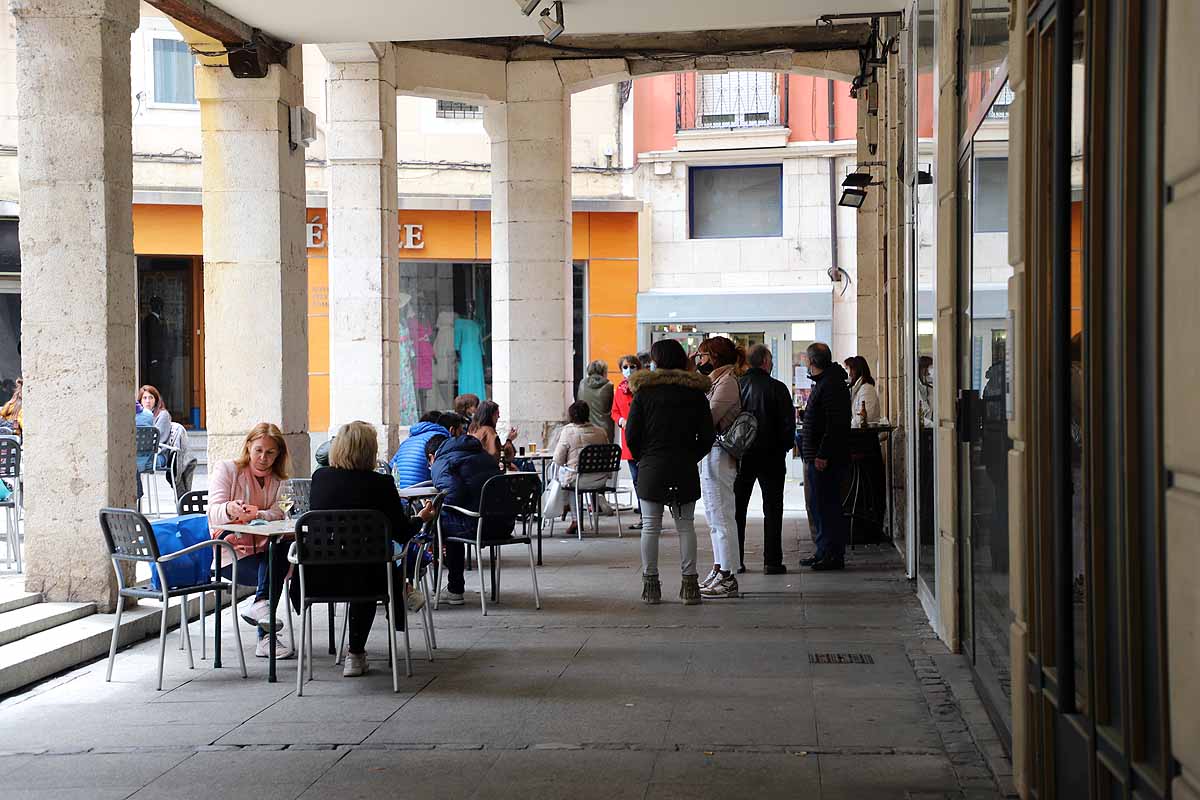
(597, 463)
(194, 502)
(10, 472)
(147, 439)
(339, 538)
(515, 496)
(130, 539)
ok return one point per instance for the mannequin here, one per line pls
(468, 342)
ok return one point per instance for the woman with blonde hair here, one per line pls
(723, 362)
(351, 482)
(240, 491)
(12, 412)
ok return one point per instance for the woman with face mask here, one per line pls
(622, 400)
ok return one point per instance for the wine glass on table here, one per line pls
(287, 500)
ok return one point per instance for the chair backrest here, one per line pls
(438, 502)
(301, 494)
(10, 457)
(514, 494)
(599, 458)
(128, 535)
(195, 502)
(147, 439)
(345, 536)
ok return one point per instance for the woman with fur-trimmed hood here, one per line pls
(669, 429)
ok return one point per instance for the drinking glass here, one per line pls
(286, 502)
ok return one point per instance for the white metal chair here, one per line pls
(594, 477)
(148, 448)
(504, 498)
(130, 539)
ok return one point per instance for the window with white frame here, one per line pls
(173, 65)
(452, 109)
(737, 100)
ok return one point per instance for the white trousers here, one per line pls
(717, 473)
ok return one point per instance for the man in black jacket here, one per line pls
(766, 460)
(826, 452)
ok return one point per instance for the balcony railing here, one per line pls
(730, 100)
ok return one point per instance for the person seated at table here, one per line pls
(350, 481)
(483, 428)
(460, 468)
(409, 465)
(151, 400)
(239, 492)
(465, 405)
(578, 434)
(864, 397)
(454, 423)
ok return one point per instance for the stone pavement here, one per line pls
(597, 695)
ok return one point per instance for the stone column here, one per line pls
(531, 249)
(76, 174)
(364, 316)
(255, 263)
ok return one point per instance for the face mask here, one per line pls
(626, 371)
(653, 366)
(705, 368)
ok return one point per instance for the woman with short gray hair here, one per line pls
(597, 391)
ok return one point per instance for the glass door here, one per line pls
(166, 342)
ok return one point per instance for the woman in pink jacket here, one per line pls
(239, 492)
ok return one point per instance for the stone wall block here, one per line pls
(533, 80)
(355, 142)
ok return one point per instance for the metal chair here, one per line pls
(130, 539)
(146, 437)
(10, 472)
(419, 545)
(504, 498)
(194, 502)
(301, 489)
(593, 476)
(343, 538)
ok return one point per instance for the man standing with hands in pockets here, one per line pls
(826, 455)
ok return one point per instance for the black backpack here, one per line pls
(740, 436)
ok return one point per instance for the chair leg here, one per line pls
(9, 537)
(182, 618)
(429, 616)
(286, 600)
(537, 598)
(304, 617)
(482, 588)
(617, 506)
(116, 635)
(187, 629)
(234, 624)
(203, 641)
(308, 644)
(391, 626)
(332, 644)
(162, 640)
(341, 653)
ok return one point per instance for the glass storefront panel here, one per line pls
(985, 26)
(165, 333)
(445, 335)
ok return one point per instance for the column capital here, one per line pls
(119, 11)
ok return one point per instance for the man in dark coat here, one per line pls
(766, 460)
(460, 468)
(826, 452)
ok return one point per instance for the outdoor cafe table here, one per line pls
(272, 531)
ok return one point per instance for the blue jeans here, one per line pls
(829, 520)
(252, 571)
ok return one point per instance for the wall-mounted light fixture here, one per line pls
(528, 6)
(552, 26)
(854, 189)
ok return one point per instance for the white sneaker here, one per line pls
(356, 665)
(713, 575)
(282, 649)
(415, 600)
(258, 614)
(452, 598)
(725, 586)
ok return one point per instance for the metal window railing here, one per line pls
(452, 109)
(730, 100)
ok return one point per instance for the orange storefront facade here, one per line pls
(169, 245)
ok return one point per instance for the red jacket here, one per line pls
(622, 400)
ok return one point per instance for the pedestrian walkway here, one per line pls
(823, 685)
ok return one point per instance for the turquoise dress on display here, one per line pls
(468, 341)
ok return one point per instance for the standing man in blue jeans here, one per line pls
(826, 454)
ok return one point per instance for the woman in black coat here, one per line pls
(351, 482)
(669, 429)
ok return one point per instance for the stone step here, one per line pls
(49, 652)
(18, 599)
(35, 618)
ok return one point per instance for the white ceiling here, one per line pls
(407, 20)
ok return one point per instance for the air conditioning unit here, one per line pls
(303, 126)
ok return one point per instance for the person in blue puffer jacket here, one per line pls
(409, 464)
(460, 468)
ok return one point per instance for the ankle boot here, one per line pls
(651, 590)
(689, 591)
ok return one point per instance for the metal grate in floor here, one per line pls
(840, 658)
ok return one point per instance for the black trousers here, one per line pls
(770, 471)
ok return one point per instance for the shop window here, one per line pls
(742, 201)
(173, 72)
(738, 100)
(452, 109)
(991, 195)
